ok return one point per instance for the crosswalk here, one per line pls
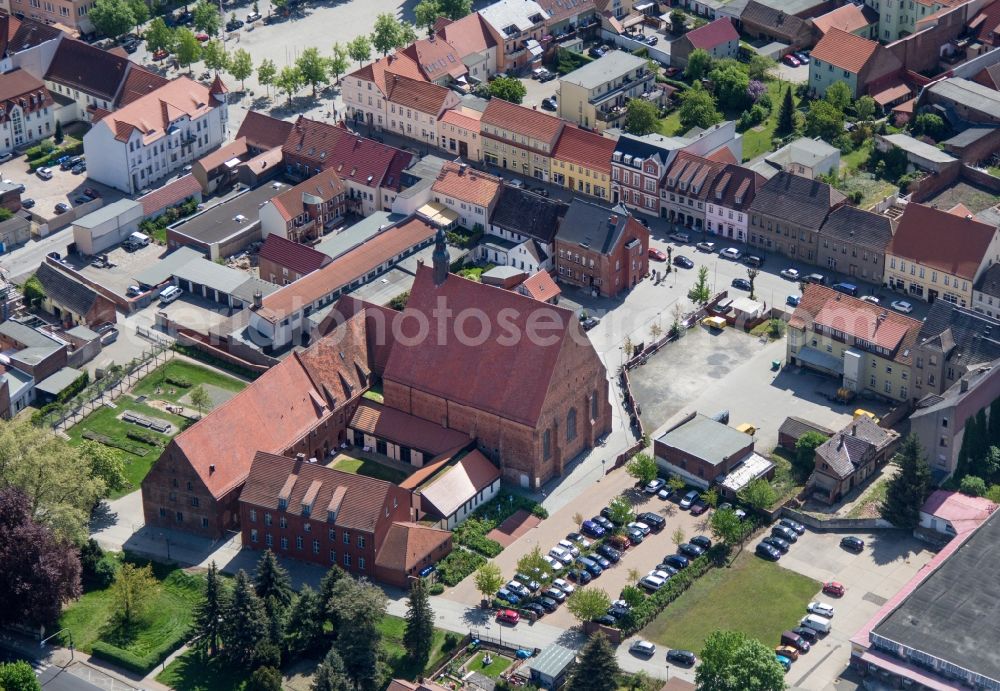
(39, 666)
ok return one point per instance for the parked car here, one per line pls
(27, 203)
(595, 52)
(767, 551)
(784, 533)
(796, 640)
(680, 237)
(785, 663)
(508, 596)
(726, 506)
(518, 589)
(570, 547)
(550, 103)
(130, 46)
(677, 561)
(635, 535)
(788, 651)
(253, 17)
(653, 583)
(753, 260)
(705, 247)
(528, 582)
(740, 283)
(62, 207)
(652, 40)
(807, 633)
(833, 588)
(901, 306)
(548, 603)
(776, 542)
(202, 36)
(591, 566)
(535, 609)
(640, 526)
(791, 60)
(791, 274)
(642, 647)
(564, 585)
(701, 541)
(871, 299)
(820, 608)
(802, 57)
(688, 499)
(592, 529)
(794, 525)
(561, 555)
(589, 323)
(689, 550)
(730, 253)
(667, 569)
(578, 539)
(813, 621)
(657, 255)
(681, 657)
(793, 300)
(555, 594)
(602, 561)
(581, 576)
(654, 486)
(605, 620)
(508, 616)
(665, 493)
(234, 24)
(603, 522)
(854, 544)
(553, 563)
(6, 156)
(44, 173)
(698, 508)
(619, 542)
(683, 262)
(655, 522)
(80, 167)
(609, 553)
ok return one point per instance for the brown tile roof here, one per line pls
(849, 18)
(234, 149)
(468, 35)
(322, 187)
(563, 9)
(585, 148)
(459, 482)
(734, 182)
(989, 76)
(416, 94)
(138, 83)
(540, 286)
(361, 507)
(722, 155)
(218, 86)
(436, 57)
(18, 88)
(467, 184)
(87, 68)
(520, 120)
(153, 113)
(300, 258)
(466, 118)
(405, 429)
(376, 71)
(473, 374)
(940, 240)
(713, 34)
(406, 545)
(22, 34)
(847, 51)
(169, 195)
(347, 268)
(692, 175)
(986, 24)
(430, 468)
(856, 318)
(263, 131)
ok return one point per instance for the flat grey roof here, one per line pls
(968, 93)
(56, 383)
(82, 332)
(553, 661)
(803, 150)
(188, 264)
(954, 614)
(219, 222)
(969, 136)
(792, 6)
(384, 288)
(31, 338)
(17, 381)
(340, 243)
(604, 69)
(919, 148)
(106, 213)
(707, 439)
(166, 268)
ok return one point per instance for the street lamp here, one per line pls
(41, 643)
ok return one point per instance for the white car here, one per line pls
(659, 574)
(688, 499)
(870, 298)
(654, 486)
(553, 563)
(640, 526)
(791, 274)
(564, 585)
(44, 173)
(730, 253)
(570, 547)
(561, 555)
(641, 647)
(902, 306)
(652, 582)
(820, 608)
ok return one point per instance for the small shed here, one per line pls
(793, 428)
(550, 668)
(102, 229)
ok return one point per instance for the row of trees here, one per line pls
(116, 17)
(427, 12)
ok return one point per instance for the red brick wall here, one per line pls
(401, 579)
(102, 311)
(171, 485)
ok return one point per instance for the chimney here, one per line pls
(968, 217)
(964, 386)
(300, 457)
(612, 222)
(258, 299)
(840, 443)
(854, 430)
(462, 168)
(211, 469)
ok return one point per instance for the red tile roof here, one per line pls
(479, 374)
(459, 482)
(295, 256)
(376, 71)
(436, 57)
(153, 113)
(986, 24)
(407, 545)
(540, 286)
(847, 51)
(416, 94)
(960, 510)
(585, 148)
(849, 18)
(320, 188)
(169, 195)
(263, 131)
(941, 240)
(227, 152)
(138, 83)
(465, 118)
(722, 155)
(468, 35)
(18, 88)
(520, 120)
(467, 184)
(405, 429)
(713, 34)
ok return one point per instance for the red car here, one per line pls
(656, 254)
(698, 508)
(834, 588)
(160, 54)
(508, 616)
(202, 37)
(791, 60)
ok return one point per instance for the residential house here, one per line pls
(687, 187)
(864, 346)
(264, 133)
(156, 135)
(939, 254)
(522, 231)
(986, 292)
(26, 110)
(540, 286)
(450, 489)
(88, 77)
(962, 102)
(595, 95)
(852, 18)
(794, 428)
(581, 162)
(985, 24)
(947, 514)
(940, 418)
(849, 457)
(787, 213)
(438, 60)
(521, 26)
(845, 57)
(307, 211)
(458, 132)
(70, 300)
(727, 208)
(953, 343)
(854, 242)
(897, 20)
(808, 158)
(761, 21)
(476, 43)
(282, 261)
(30, 357)
(718, 38)
(371, 171)
(415, 107)
(602, 249)
(468, 192)
(219, 168)
(365, 90)
(519, 139)
(27, 44)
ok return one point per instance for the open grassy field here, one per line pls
(185, 371)
(363, 466)
(719, 601)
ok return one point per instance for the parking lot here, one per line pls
(127, 265)
(537, 90)
(63, 187)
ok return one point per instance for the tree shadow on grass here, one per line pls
(195, 671)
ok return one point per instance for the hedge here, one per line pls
(454, 568)
(73, 149)
(179, 382)
(202, 356)
(143, 436)
(140, 664)
(134, 449)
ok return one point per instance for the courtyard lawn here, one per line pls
(184, 371)
(194, 671)
(164, 625)
(719, 600)
(497, 666)
(392, 629)
(363, 466)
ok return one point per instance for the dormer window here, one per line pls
(617, 156)
(282, 504)
(671, 181)
(718, 194)
(739, 199)
(331, 517)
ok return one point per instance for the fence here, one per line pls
(835, 524)
(500, 642)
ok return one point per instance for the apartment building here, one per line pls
(26, 110)
(72, 14)
(416, 106)
(468, 192)
(581, 162)
(687, 188)
(788, 212)
(845, 57)
(476, 43)
(365, 90)
(522, 231)
(727, 207)
(521, 26)
(595, 95)
(953, 342)
(458, 132)
(638, 165)
(307, 211)
(519, 139)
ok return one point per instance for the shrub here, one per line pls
(179, 382)
(140, 664)
(539, 511)
(457, 565)
(142, 435)
(436, 588)
(451, 641)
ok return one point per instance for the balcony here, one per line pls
(628, 87)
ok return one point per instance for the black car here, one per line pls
(785, 533)
(767, 551)
(548, 603)
(529, 583)
(591, 566)
(130, 46)
(677, 561)
(794, 525)
(777, 543)
(606, 620)
(581, 576)
(741, 283)
(27, 203)
(701, 541)
(666, 568)
(681, 657)
(80, 167)
(613, 555)
(589, 323)
(683, 262)
(854, 544)
(601, 561)
(689, 550)
(809, 634)
(536, 608)
(617, 611)
(603, 522)
(549, 104)
(654, 521)
(606, 513)
(234, 24)
(595, 52)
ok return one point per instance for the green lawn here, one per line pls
(857, 159)
(362, 466)
(719, 600)
(392, 629)
(193, 671)
(166, 622)
(181, 369)
(139, 456)
(671, 125)
(493, 670)
(786, 484)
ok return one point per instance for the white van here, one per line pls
(169, 294)
(816, 623)
(136, 240)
